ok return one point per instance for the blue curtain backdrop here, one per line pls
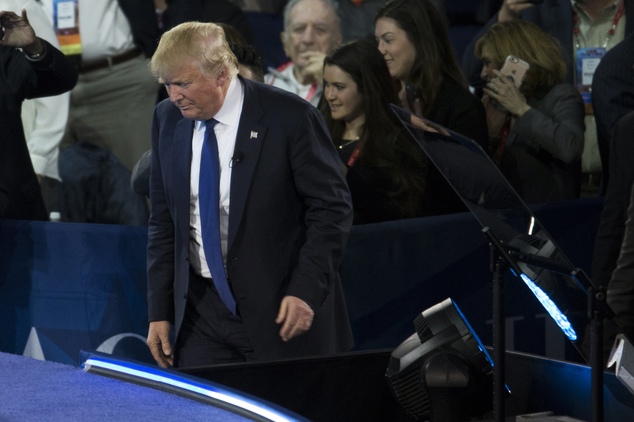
(66, 287)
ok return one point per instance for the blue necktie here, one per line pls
(209, 199)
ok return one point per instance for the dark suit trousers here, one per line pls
(210, 333)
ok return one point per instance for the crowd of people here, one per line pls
(553, 134)
(102, 126)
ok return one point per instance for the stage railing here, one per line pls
(66, 287)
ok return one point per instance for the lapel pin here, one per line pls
(254, 135)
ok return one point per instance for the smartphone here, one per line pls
(515, 70)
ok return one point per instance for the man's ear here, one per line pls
(285, 44)
(223, 76)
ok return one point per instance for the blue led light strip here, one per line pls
(551, 308)
(189, 385)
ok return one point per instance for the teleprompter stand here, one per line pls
(502, 260)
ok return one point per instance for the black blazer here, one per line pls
(607, 244)
(612, 96)
(20, 195)
(289, 221)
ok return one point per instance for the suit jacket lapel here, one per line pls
(251, 134)
(181, 159)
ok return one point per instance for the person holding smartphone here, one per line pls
(536, 130)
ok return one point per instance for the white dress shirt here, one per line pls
(226, 130)
(103, 28)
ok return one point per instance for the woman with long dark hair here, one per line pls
(387, 172)
(413, 38)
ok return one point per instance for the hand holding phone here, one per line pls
(506, 99)
(515, 70)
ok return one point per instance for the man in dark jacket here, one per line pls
(39, 70)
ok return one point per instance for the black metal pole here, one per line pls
(499, 264)
(499, 338)
(596, 312)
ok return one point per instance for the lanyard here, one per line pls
(354, 156)
(615, 22)
(312, 90)
(506, 130)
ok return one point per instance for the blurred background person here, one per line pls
(249, 61)
(388, 174)
(311, 30)
(114, 99)
(413, 38)
(111, 107)
(232, 35)
(537, 135)
(38, 70)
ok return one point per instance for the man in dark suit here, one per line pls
(613, 99)
(283, 238)
(615, 262)
(613, 95)
(38, 70)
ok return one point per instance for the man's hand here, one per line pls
(296, 315)
(19, 33)
(314, 68)
(512, 9)
(158, 340)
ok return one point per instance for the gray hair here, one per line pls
(332, 4)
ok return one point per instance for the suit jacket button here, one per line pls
(186, 258)
(185, 296)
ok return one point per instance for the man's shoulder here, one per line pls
(622, 51)
(166, 113)
(616, 61)
(166, 107)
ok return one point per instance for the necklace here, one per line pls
(348, 142)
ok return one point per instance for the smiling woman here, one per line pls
(412, 36)
(387, 173)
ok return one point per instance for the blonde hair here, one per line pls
(530, 43)
(201, 44)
